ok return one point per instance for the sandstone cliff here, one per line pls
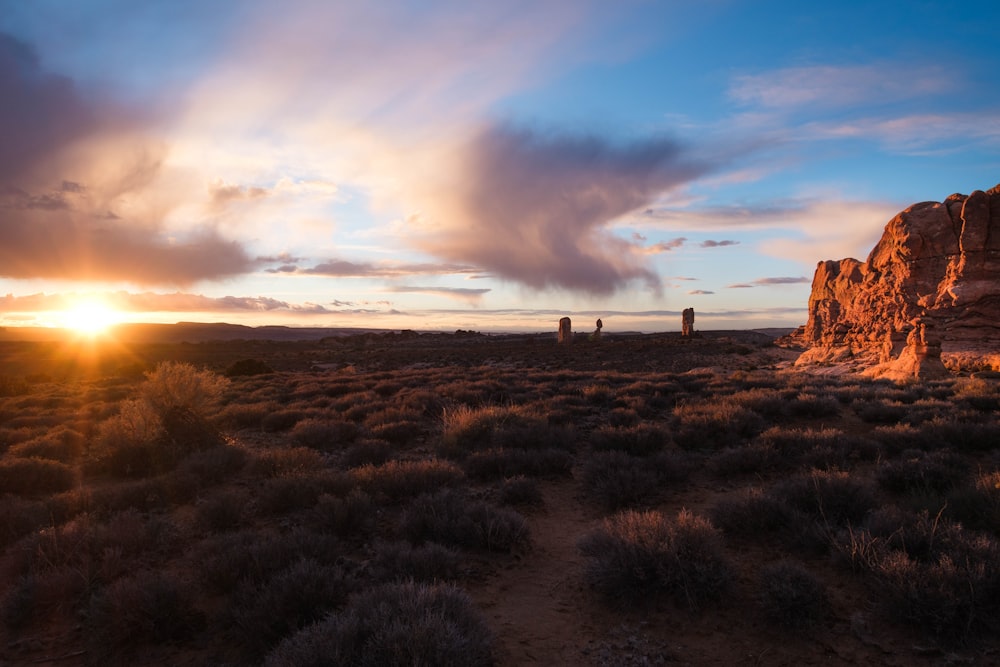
(929, 291)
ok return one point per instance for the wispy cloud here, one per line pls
(782, 280)
(717, 244)
(814, 227)
(834, 86)
(700, 291)
(472, 295)
(342, 268)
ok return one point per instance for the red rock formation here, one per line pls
(936, 271)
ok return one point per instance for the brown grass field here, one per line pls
(439, 499)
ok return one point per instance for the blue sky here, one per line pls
(487, 166)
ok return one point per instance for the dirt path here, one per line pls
(538, 608)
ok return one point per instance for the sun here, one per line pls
(90, 317)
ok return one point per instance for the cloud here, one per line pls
(835, 86)
(782, 280)
(814, 227)
(739, 286)
(73, 183)
(700, 291)
(461, 293)
(341, 268)
(534, 207)
(717, 244)
(664, 246)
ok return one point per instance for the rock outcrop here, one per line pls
(929, 291)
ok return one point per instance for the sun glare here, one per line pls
(90, 317)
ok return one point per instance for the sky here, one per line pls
(490, 166)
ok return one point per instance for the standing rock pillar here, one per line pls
(687, 323)
(565, 330)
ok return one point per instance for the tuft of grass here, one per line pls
(638, 557)
(394, 624)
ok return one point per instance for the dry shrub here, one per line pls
(34, 476)
(397, 480)
(465, 429)
(394, 624)
(832, 498)
(216, 464)
(714, 425)
(248, 367)
(176, 385)
(615, 479)
(398, 433)
(402, 561)
(638, 440)
(144, 608)
(252, 557)
(285, 461)
(966, 436)
(364, 452)
(325, 434)
(62, 444)
(754, 514)
(283, 420)
(639, 557)
(501, 463)
(753, 459)
(221, 511)
(244, 414)
(930, 574)
(917, 472)
(450, 518)
(19, 517)
(262, 614)
(350, 516)
(977, 505)
(791, 596)
(520, 492)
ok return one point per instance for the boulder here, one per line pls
(928, 295)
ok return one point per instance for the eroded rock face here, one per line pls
(935, 272)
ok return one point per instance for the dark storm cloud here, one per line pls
(40, 113)
(55, 224)
(535, 208)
